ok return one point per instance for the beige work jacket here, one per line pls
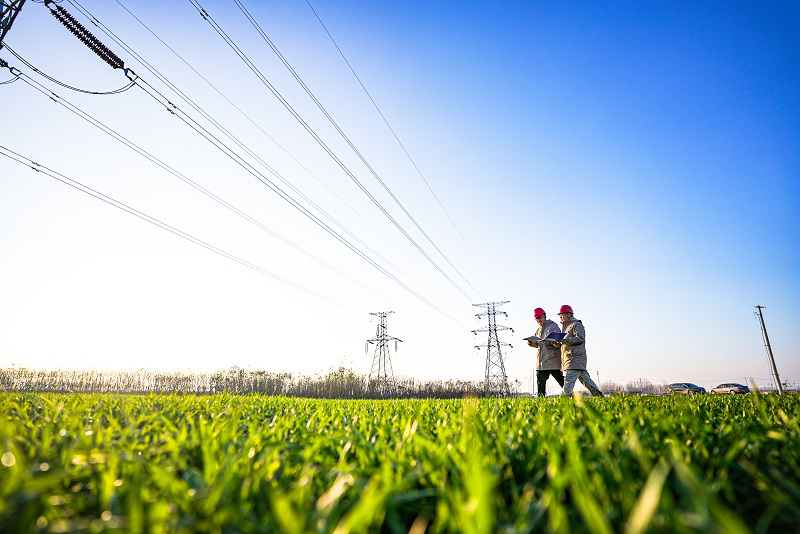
(548, 357)
(573, 346)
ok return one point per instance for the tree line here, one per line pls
(338, 383)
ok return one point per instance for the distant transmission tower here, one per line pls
(381, 377)
(496, 382)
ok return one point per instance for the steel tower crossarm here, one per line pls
(10, 10)
(497, 327)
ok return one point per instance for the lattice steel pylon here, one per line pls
(496, 381)
(381, 376)
(9, 9)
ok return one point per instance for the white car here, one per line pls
(731, 389)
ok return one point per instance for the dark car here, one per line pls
(731, 389)
(685, 388)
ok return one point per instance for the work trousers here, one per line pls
(572, 375)
(541, 380)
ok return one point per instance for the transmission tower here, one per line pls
(381, 377)
(9, 9)
(496, 381)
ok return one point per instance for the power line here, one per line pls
(402, 146)
(237, 108)
(150, 157)
(225, 131)
(344, 136)
(177, 112)
(316, 137)
(227, 151)
(189, 121)
(62, 84)
(160, 224)
(232, 137)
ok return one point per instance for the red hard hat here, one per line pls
(566, 308)
(538, 312)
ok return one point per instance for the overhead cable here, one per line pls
(402, 146)
(319, 140)
(150, 157)
(232, 137)
(62, 84)
(227, 151)
(344, 136)
(164, 226)
(189, 101)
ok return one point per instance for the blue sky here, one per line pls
(637, 161)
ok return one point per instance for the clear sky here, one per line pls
(638, 161)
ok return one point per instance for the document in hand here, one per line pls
(552, 336)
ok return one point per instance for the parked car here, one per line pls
(685, 388)
(731, 389)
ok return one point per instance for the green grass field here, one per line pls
(250, 463)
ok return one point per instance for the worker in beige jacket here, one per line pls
(548, 355)
(573, 354)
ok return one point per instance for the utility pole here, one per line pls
(769, 350)
(496, 382)
(9, 9)
(381, 377)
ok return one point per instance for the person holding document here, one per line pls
(573, 354)
(548, 356)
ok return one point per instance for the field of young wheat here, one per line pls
(251, 463)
